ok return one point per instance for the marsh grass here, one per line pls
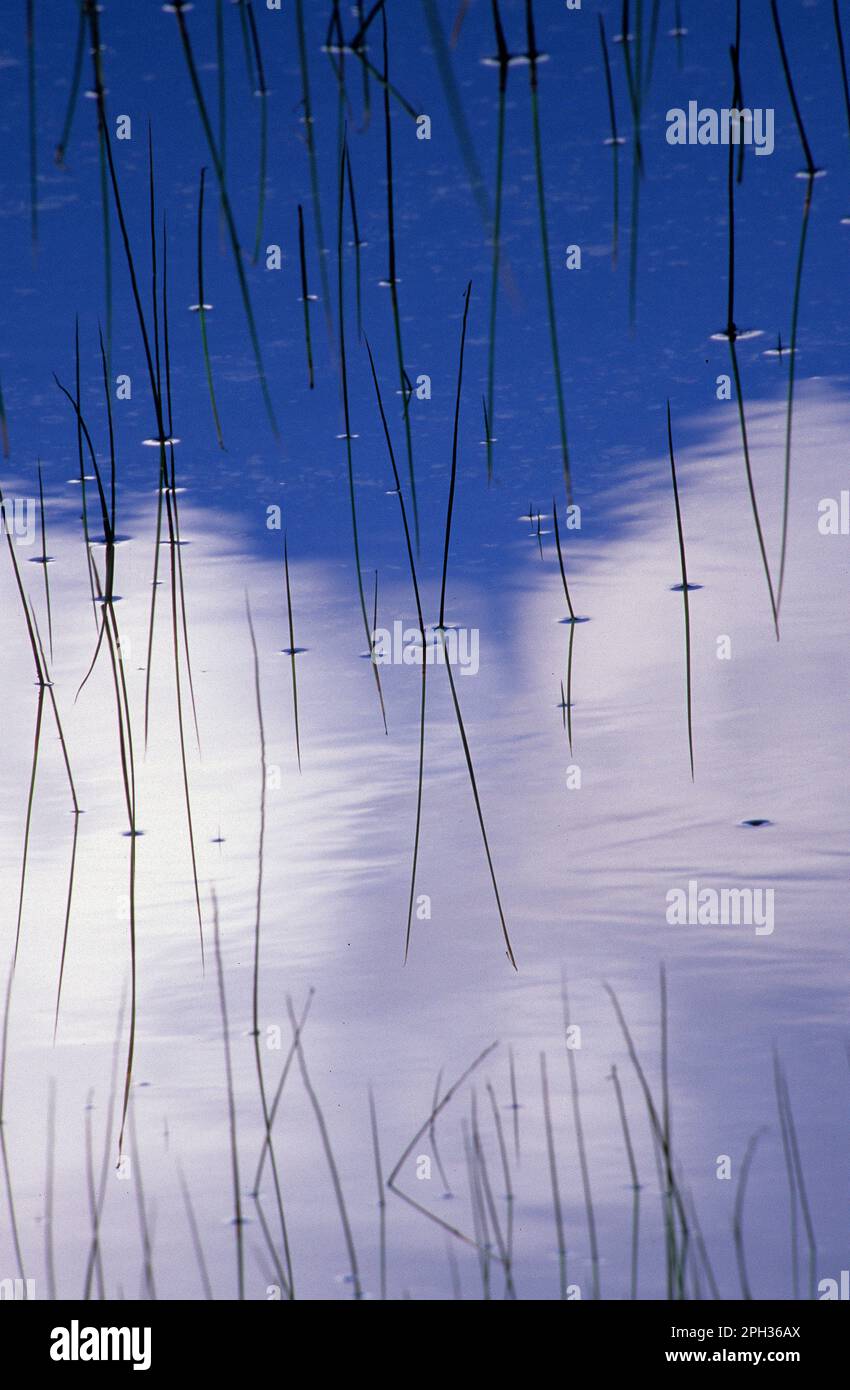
(74, 90)
(258, 916)
(679, 34)
(441, 632)
(731, 334)
(75, 811)
(231, 1107)
(94, 1262)
(382, 1201)
(392, 1180)
(811, 173)
(229, 219)
(503, 58)
(91, 1193)
(636, 97)
(4, 1150)
(262, 95)
(842, 59)
(367, 92)
(202, 312)
(453, 475)
(533, 59)
(615, 143)
(221, 78)
(329, 1154)
(557, 1209)
(305, 298)
(432, 1137)
(357, 243)
(348, 436)
(506, 1175)
(514, 1102)
(685, 598)
(293, 649)
(45, 558)
(566, 698)
(177, 597)
(454, 102)
(424, 665)
(321, 250)
(786, 1113)
(738, 1216)
(652, 43)
(357, 47)
(635, 1183)
(790, 1173)
(582, 1148)
(490, 1208)
(392, 281)
(194, 1233)
(677, 1224)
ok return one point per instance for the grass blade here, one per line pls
(533, 56)
(202, 312)
(684, 565)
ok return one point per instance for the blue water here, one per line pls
(583, 872)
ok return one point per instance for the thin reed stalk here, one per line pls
(348, 435)
(421, 621)
(176, 592)
(731, 334)
(194, 1233)
(329, 1155)
(4, 1151)
(506, 1173)
(292, 650)
(811, 173)
(790, 1171)
(392, 1182)
(305, 298)
(262, 93)
(45, 559)
(73, 93)
(454, 102)
(231, 1107)
(684, 567)
(92, 1196)
(432, 1137)
(382, 1201)
(258, 912)
(567, 699)
(553, 1175)
(94, 1255)
(677, 1242)
(615, 143)
(738, 1217)
(202, 313)
(321, 249)
(582, 1150)
(533, 57)
(808, 1224)
(503, 57)
(228, 215)
(392, 281)
(635, 1184)
(441, 631)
